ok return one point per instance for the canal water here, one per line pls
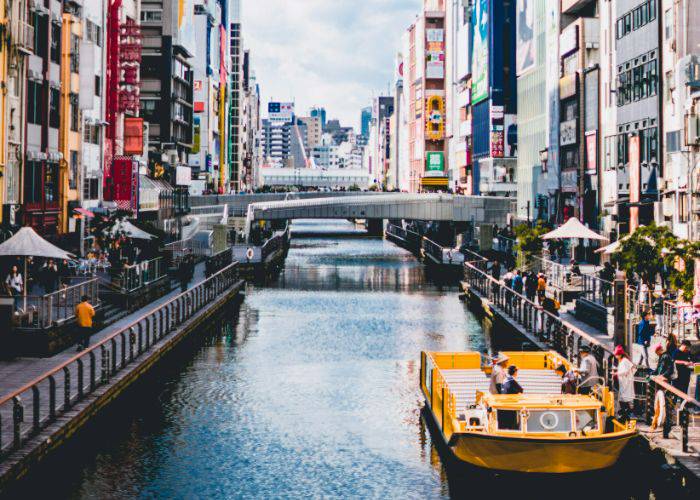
(310, 389)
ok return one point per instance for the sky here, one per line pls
(335, 54)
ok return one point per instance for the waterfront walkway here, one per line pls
(18, 372)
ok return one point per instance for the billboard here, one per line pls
(133, 136)
(123, 186)
(526, 50)
(183, 176)
(480, 58)
(183, 32)
(434, 164)
(280, 111)
(435, 54)
(591, 153)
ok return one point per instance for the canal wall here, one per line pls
(86, 401)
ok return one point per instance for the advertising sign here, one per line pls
(435, 163)
(526, 55)
(480, 61)
(124, 187)
(569, 181)
(183, 176)
(552, 79)
(497, 143)
(280, 111)
(184, 25)
(592, 153)
(635, 181)
(567, 132)
(133, 136)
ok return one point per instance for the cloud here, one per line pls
(331, 53)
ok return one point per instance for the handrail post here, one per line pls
(683, 422)
(17, 419)
(52, 398)
(91, 354)
(104, 364)
(80, 379)
(36, 409)
(66, 389)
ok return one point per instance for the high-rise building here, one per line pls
(494, 98)
(365, 121)
(320, 113)
(314, 131)
(235, 113)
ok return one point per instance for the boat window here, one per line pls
(587, 420)
(508, 420)
(549, 421)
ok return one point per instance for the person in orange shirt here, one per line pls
(84, 312)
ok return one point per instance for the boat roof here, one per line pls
(550, 401)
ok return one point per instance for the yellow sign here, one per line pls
(435, 118)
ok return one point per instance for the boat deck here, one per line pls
(465, 383)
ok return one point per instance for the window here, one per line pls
(673, 141)
(33, 189)
(39, 23)
(54, 113)
(98, 85)
(610, 145)
(668, 24)
(51, 183)
(628, 23)
(652, 9)
(73, 177)
(91, 189)
(91, 134)
(93, 33)
(549, 421)
(55, 52)
(622, 158)
(508, 420)
(636, 83)
(151, 15)
(34, 102)
(74, 113)
(586, 420)
(74, 54)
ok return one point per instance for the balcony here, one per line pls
(584, 8)
(22, 36)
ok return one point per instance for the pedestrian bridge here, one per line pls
(376, 207)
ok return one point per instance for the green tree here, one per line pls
(529, 239)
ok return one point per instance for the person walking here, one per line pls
(15, 285)
(517, 282)
(587, 371)
(606, 275)
(84, 314)
(531, 286)
(541, 287)
(684, 361)
(625, 380)
(658, 309)
(51, 276)
(643, 340)
(665, 366)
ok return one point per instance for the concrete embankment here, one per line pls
(121, 364)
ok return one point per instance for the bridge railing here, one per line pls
(59, 306)
(24, 413)
(678, 409)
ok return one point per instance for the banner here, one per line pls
(526, 49)
(480, 58)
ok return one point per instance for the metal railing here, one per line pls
(678, 406)
(24, 413)
(597, 290)
(395, 230)
(273, 244)
(678, 319)
(142, 274)
(58, 307)
(504, 244)
(433, 249)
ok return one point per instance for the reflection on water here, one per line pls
(310, 390)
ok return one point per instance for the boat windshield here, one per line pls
(549, 421)
(587, 420)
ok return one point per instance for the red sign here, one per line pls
(635, 181)
(124, 188)
(133, 136)
(592, 153)
(199, 106)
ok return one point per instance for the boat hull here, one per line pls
(550, 456)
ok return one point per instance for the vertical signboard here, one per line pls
(635, 181)
(552, 79)
(526, 51)
(435, 54)
(124, 187)
(592, 153)
(480, 58)
(133, 136)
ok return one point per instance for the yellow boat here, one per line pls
(540, 431)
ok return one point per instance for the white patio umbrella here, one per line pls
(572, 229)
(126, 227)
(27, 243)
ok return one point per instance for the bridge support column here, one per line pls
(375, 227)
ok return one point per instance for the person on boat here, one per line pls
(498, 374)
(643, 339)
(568, 380)
(587, 371)
(665, 366)
(511, 386)
(625, 380)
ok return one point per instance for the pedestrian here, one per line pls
(587, 371)
(643, 340)
(517, 282)
(15, 285)
(51, 276)
(658, 309)
(496, 270)
(541, 287)
(531, 286)
(84, 314)
(568, 380)
(498, 374)
(606, 275)
(672, 344)
(665, 366)
(625, 380)
(684, 361)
